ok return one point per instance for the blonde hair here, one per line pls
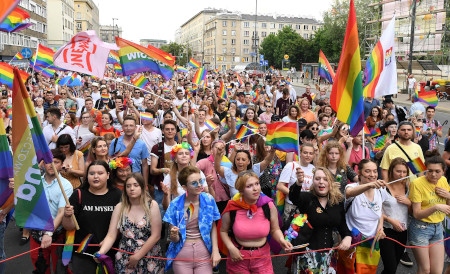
(145, 200)
(242, 178)
(334, 194)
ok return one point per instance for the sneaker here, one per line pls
(216, 270)
(405, 260)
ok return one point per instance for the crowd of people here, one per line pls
(158, 188)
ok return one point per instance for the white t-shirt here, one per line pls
(85, 134)
(96, 96)
(289, 175)
(363, 214)
(48, 134)
(411, 82)
(178, 102)
(80, 105)
(150, 139)
(138, 102)
(180, 190)
(115, 122)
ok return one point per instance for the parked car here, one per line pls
(257, 73)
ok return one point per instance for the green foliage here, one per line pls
(178, 50)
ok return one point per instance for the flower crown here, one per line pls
(121, 162)
(177, 147)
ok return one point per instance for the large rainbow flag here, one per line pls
(194, 63)
(29, 148)
(200, 76)
(7, 75)
(15, 21)
(325, 69)
(427, 97)
(113, 57)
(6, 6)
(6, 169)
(380, 73)
(43, 57)
(346, 96)
(283, 136)
(134, 59)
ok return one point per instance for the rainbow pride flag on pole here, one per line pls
(200, 76)
(325, 69)
(427, 97)
(222, 92)
(6, 6)
(6, 169)
(140, 81)
(346, 96)
(43, 57)
(7, 75)
(283, 136)
(194, 63)
(29, 148)
(210, 124)
(416, 165)
(15, 21)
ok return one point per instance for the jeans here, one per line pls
(423, 234)
(2, 246)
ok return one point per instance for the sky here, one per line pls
(149, 19)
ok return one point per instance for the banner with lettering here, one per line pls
(85, 53)
(31, 206)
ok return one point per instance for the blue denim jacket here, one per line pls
(208, 213)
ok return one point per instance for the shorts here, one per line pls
(423, 234)
(411, 91)
(257, 261)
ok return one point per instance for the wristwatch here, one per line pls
(48, 233)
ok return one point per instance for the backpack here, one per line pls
(157, 179)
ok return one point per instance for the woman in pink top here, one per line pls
(248, 249)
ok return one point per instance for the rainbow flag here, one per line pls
(46, 72)
(241, 82)
(84, 243)
(244, 132)
(85, 148)
(346, 95)
(200, 76)
(427, 97)
(226, 162)
(325, 69)
(6, 169)
(184, 132)
(161, 56)
(15, 21)
(181, 69)
(105, 97)
(371, 132)
(140, 81)
(18, 56)
(222, 92)
(43, 57)
(6, 74)
(6, 6)
(238, 123)
(68, 247)
(210, 124)
(283, 136)
(418, 131)
(253, 124)
(380, 143)
(280, 198)
(416, 165)
(29, 148)
(135, 58)
(118, 69)
(113, 57)
(145, 116)
(194, 63)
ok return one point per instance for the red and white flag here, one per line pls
(85, 53)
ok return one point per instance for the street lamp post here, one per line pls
(256, 34)
(114, 27)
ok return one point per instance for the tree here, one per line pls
(179, 51)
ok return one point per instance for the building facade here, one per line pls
(87, 16)
(108, 32)
(11, 43)
(154, 42)
(222, 39)
(61, 23)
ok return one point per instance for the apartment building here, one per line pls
(87, 16)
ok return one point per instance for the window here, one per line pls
(272, 32)
(233, 41)
(263, 33)
(224, 23)
(280, 26)
(245, 59)
(79, 26)
(233, 50)
(246, 51)
(224, 32)
(263, 25)
(246, 42)
(224, 50)
(33, 8)
(224, 58)
(297, 26)
(313, 27)
(246, 33)
(272, 25)
(246, 24)
(305, 36)
(233, 33)
(233, 23)
(305, 27)
(224, 41)
(79, 15)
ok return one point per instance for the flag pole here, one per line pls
(77, 227)
(14, 57)
(35, 58)
(112, 79)
(363, 143)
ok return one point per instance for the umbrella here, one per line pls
(64, 81)
(75, 83)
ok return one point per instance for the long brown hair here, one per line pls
(145, 200)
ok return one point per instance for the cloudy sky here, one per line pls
(151, 19)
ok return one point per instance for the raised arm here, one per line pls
(111, 237)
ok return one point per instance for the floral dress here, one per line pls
(133, 238)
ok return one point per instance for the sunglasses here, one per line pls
(198, 183)
(314, 128)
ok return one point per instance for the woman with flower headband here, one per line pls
(138, 219)
(181, 155)
(121, 168)
(193, 233)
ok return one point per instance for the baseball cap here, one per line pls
(302, 122)
(95, 84)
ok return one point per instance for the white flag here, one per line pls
(380, 73)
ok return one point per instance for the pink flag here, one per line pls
(85, 53)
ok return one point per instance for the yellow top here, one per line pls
(423, 192)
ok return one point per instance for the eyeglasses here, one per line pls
(198, 183)
(63, 93)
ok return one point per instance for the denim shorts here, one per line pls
(423, 234)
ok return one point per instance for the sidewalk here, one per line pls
(401, 99)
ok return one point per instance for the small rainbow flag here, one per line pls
(46, 72)
(283, 136)
(105, 97)
(6, 74)
(184, 132)
(84, 243)
(428, 97)
(200, 76)
(418, 130)
(68, 247)
(113, 57)
(416, 165)
(380, 143)
(43, 57)
(194, 63)
(222, 93)
(325, 69)
(253, 124)
(241, 82)
(238, 123)
(244, 132)
(15, 21)
(18, 56)
(375, 132)
(141, 81)
(226, 162)
(145, 116)
(85, 148)
(118, 68)
(182, 69)
(210, 124)
(280, 200)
